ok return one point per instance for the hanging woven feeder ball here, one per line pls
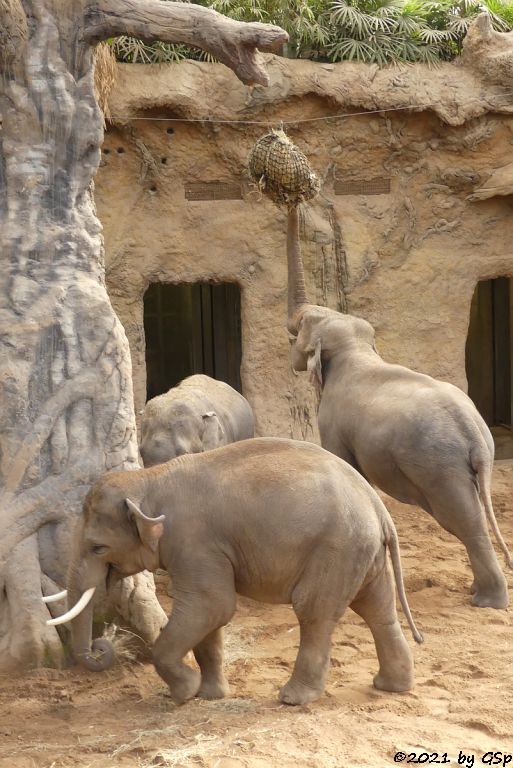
(281, 170)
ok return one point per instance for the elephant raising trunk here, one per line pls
(420, 440)
(296, 277)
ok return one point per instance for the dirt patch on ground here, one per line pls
(461, 700)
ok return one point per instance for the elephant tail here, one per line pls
(392, 542)
(482, 470)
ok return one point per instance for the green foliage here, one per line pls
(378, 32)
(460, 13)
(134, 51)
(304, 20)
(384, 32)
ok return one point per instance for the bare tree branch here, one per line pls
(234, 43)
(47, 502)
(82, 386)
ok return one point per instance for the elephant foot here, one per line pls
(497, 598)
(295, 693)
(214, 689)
(185, 688)
(397, 684)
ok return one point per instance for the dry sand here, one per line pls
(462, 700)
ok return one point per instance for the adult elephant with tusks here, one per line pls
(420, 440)
(276, 520)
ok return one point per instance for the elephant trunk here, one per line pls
(97, 655)
(296, 276)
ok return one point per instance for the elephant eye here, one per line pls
(99, 549)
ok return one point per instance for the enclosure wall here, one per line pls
(392, 237)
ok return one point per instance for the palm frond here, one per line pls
(382, 32)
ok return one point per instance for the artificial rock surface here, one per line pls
(407, 259)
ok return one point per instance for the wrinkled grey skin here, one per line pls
(276, 520)
(197, 415)
(418, 439)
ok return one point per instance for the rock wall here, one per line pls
(404, 251)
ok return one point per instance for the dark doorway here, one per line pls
(488, 358)
(191, 328)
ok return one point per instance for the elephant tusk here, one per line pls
(135, 509)
(54, 598)
(77, 608)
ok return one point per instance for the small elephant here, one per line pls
(276, 520)
(420, 440)
(197, 415)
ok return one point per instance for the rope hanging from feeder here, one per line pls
(281, 170)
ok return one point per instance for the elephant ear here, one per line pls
(314, 366)
(213, 435)
(150, 529)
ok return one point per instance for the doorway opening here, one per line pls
(488, 359)
(191, 328)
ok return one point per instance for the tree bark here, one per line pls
(231, 42)
(66, 404)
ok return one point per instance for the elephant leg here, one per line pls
(459, 511)
(331, 442)
(209, 655)
(309, 676)
(330, 437)
(195, 617)
(489, 588)
(376, 605)
(319, 599)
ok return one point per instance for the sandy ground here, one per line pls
(461, 702)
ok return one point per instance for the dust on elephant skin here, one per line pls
(197, 415)
(420, 440)
(276, 520)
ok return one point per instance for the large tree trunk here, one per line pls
(66, 406)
